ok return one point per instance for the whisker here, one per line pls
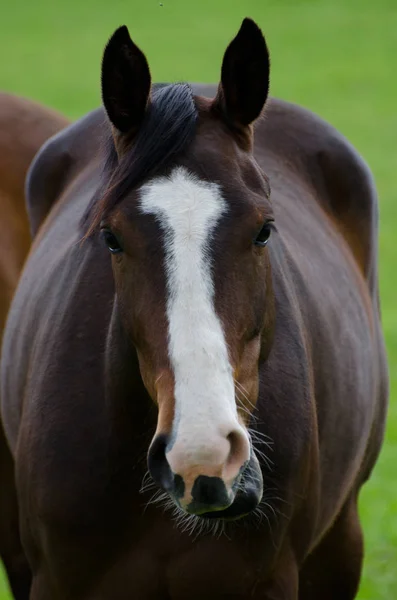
(147, 483)
(244, 392)
(158, 378)
(260, 435)
(267, 462)
(243, 408)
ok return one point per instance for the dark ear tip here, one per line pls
(249, 26)
(121, 34)
(122, 30)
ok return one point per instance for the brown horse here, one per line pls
(24, 127)
(230, 341)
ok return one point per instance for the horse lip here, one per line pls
(243, 504)
(245, 501)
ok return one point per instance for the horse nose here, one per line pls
(238, 455)
(160, 469)
(200, 476)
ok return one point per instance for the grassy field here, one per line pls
(336, 57)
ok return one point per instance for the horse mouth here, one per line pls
(247, 498)
(244, 503)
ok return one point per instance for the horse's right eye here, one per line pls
(111, 241)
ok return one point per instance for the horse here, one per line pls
(24, 126)
(194, 381)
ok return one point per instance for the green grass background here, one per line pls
(336, 57)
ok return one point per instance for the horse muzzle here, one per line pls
(204, 493)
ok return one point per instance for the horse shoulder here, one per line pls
(56, 164)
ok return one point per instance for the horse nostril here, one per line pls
(158, 465)
(239, 453)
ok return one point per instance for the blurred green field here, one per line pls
(336, 57)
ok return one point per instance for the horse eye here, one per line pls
(263, 236)
(111, 241)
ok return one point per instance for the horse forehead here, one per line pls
(184, 202)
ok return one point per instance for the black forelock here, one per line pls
(168, 128)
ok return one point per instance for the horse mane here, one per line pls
(167, 130)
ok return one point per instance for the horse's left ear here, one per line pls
(126, 82)
(244, 85)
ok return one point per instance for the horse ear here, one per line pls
(125, 81)
(244, 85)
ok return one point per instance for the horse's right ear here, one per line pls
(125, 82)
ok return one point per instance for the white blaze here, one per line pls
(188, 210)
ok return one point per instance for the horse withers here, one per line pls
(24, 127)
(201, 303)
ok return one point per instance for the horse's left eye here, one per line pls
(264, 235)
(111, 241)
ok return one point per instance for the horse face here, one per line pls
(192, 274)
